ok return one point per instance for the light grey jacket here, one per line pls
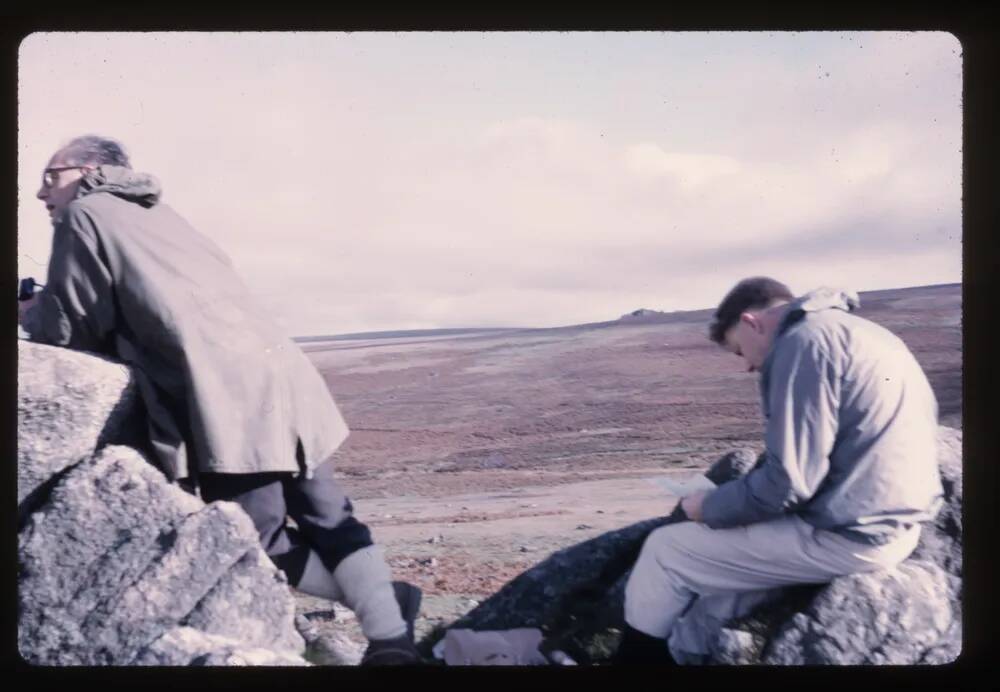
(225, 390)
(851, 429)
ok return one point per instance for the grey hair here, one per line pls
(96, 151)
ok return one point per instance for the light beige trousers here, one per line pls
(690, 579)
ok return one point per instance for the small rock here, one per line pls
(319, 616)
(527, 549)
(305, 627)
(561, 658)
(343, 613)
(600, 511)
(581, 527)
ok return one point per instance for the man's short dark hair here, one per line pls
(749, 294)
(95, 151)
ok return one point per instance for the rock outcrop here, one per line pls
(895, 617)
(906, 615)
(116, 565)
(68, 405)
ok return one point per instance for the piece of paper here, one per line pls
(682, 487)
(513, 647)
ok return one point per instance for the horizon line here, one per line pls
(450, 331)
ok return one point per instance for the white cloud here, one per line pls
(689, 170)
(410, 180)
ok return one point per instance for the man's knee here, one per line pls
(663, 543)
(655, 557)
(259, 495)
(672, 553)
(319, 501)
(654, 595)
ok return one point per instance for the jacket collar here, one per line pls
(141, 188)
(824, 298)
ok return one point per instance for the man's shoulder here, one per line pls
(837, 335)
(106, 213)
(91, 209)
(813, 326)
(99, 201)
(829, 334)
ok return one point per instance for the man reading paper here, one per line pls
(847, 477)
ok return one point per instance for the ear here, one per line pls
(751, 320)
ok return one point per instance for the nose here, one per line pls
(42, 193)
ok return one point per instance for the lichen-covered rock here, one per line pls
(328, 648)
(116, 565)
(736, 647)
(892, 617)
(99, 531)
(942, 542)
(186, 646)
(69, 404)
(248, 601)
(949, 647)
(117, 557)
(742, 641)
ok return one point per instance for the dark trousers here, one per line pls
(322, 513)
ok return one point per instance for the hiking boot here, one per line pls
(640, 649)
(401, 650)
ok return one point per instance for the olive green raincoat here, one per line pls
(225, 390)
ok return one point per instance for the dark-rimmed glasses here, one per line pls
(48, 177)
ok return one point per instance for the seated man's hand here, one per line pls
(692, 505)
(23, 306)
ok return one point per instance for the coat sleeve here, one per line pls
(76, 307)
(803, 398)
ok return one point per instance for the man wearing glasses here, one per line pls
(234, 408)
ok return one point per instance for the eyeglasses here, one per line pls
(48, 177)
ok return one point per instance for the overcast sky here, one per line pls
(376, 181)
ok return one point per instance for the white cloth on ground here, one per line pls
(513, 647)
